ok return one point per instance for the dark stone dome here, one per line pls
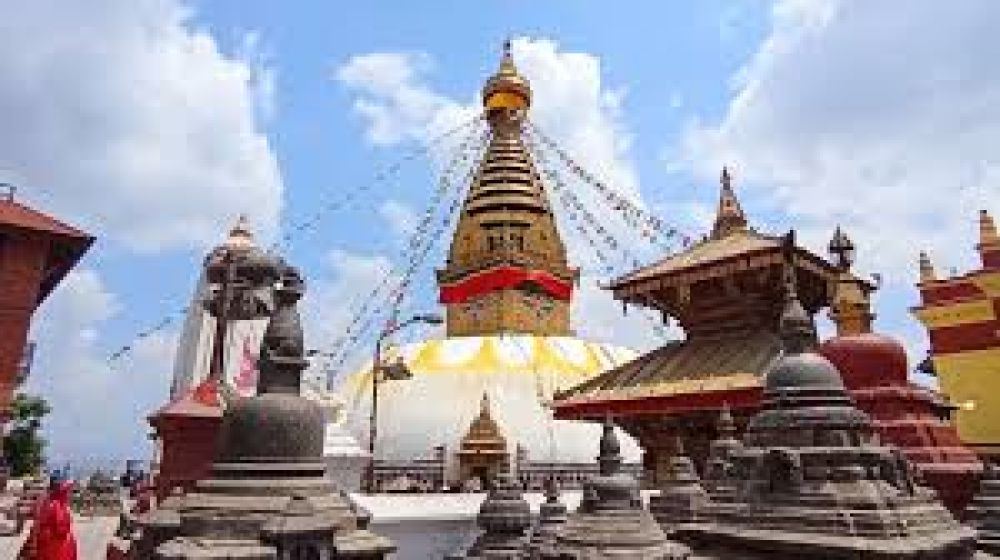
(867, 360)
(807, 370)
(258, 428)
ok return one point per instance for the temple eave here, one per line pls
(598, 406)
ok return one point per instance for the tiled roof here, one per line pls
(13, 213)
(67, 246)
(727, 362)
(201, 402)
(711, 250)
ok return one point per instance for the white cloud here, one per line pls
(570, 103)
(853, 112)
(400, 217)
(878, 119)
(395, 102)
(98, 409)
(121, 115)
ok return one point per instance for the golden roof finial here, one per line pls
(927, 273)
(987, 229)
(730, 217)
(851, 305)
(507, 89)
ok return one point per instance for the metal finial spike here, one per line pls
(725, 178)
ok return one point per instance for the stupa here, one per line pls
(682, 499)
(720, 474)
(268, 497)
(507, 288)
(874, 369)
(345, 458)
(504, 518)
(230, 303)
(984, 511)
(611, 522)
(552, 514)
(813, 480)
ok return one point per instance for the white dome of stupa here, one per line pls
(519, 373)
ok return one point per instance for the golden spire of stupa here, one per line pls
(507, 88)
(507, 270)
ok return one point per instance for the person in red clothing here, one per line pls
(51, 536)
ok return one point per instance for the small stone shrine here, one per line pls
(101, 496)
(682, 500)
(505, 518)
(551, 517)
(984, 511)
(813, 481)
(611, 522)
(268, 497)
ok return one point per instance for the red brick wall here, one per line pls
(22, 261)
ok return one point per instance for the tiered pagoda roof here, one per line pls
(725, 293)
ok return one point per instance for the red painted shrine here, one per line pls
(36, 253)
(725, 292)
(874, 369)
(187, 429)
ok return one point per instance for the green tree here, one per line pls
(24, 446)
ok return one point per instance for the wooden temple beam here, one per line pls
(659, 405)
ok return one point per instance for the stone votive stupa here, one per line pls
(268, 497)
(813, 480)
(682, 499)
(505, 518)
(984, 511)
(552, 514)
(611, 522)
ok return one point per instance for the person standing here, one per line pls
(51, 536)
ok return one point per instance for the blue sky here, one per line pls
(154, 123)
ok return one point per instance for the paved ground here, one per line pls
(92, 536)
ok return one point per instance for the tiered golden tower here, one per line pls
(507, 270)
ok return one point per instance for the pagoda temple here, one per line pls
(506, 288)
(962, 317)
(36, 253)
(725, 292)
